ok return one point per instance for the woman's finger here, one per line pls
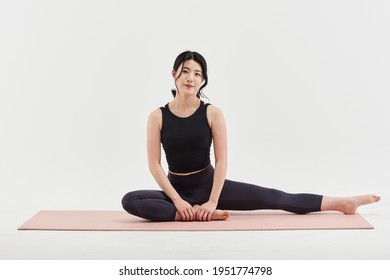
(204, 216)
(184, 215)
(190, 215)
(200, 215)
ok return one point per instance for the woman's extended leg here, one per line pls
(347, 205)
(243, 196)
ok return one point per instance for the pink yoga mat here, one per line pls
(238, 221)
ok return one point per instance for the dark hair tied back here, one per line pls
(187, 55)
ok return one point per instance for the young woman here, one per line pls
(193, 190)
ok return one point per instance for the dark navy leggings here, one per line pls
(155, 205)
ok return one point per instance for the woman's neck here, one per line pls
(185, 102)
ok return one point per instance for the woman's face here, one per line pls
(190, 79)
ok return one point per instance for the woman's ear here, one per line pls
(174, 72)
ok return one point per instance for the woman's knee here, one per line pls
(129, 201)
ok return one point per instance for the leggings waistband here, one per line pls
(192, 179)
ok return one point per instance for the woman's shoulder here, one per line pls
(212, 109)
(155, 115)
(214, 113)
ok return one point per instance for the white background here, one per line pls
(304, 86)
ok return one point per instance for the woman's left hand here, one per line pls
(205, 211)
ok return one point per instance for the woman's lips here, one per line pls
(188, 86)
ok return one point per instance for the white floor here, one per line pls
(318, 245)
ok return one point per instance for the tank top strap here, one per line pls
(205, 105)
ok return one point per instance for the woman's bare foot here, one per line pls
(217, 215)
(347, 205)
(220, 215)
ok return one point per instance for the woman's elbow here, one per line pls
(222, 162)
(153, 166)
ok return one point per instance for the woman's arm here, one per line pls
(218, 130)
(154, 160)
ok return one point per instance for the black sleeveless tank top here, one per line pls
(186, 141)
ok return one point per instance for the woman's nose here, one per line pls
(189, 77)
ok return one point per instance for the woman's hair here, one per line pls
(187, 55)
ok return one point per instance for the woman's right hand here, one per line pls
(185, 210)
